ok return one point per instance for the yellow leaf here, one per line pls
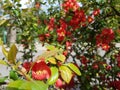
(51, 47)
(52, 60)
(65, 73)
(2, 22)
(74, 68)
(5, 52)
(60, 57)
(12, 54)
(1, 42)
(3, 62)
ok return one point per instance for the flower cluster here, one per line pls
(70, 5)
(51, 24)
(61, 31)
(78, 19)
(103, 40)
(115, 84)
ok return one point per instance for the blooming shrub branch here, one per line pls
(82, 49)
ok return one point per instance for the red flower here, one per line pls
(90, 19)
(105, 47)
(118, 74)
(115, 85)
(51, 24)
(95, 66)
(59, 83)
(27, 65)
(63, 24)
(65, 53)
(77, 19)
(61, 32)
(84, 60)
(96, 12)
(68, 45)
(68, 33)
(108, 67)
(40, 71)
(42, 37)
(47, 35)
(104, 39)
(70, 5)
(118, 65)
(118, 58)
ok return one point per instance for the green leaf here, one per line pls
(66, 73)
(3, 62)
(68, 18)
(14, 85)
(38, 85)
(2, 79)
(5, 52)
(60, 57)
(12, 54)
(13, 75)
(27, 85)
(74, 68)
(54, 75)
(52, 60)
(16, 12)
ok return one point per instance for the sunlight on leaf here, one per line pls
(51, 60)
(2, 22)
(5, 52)
(3, 62)
(60, 57)
(66, 73)
(27, 85)
(74, 68)
(54, 75)
(51, 47)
